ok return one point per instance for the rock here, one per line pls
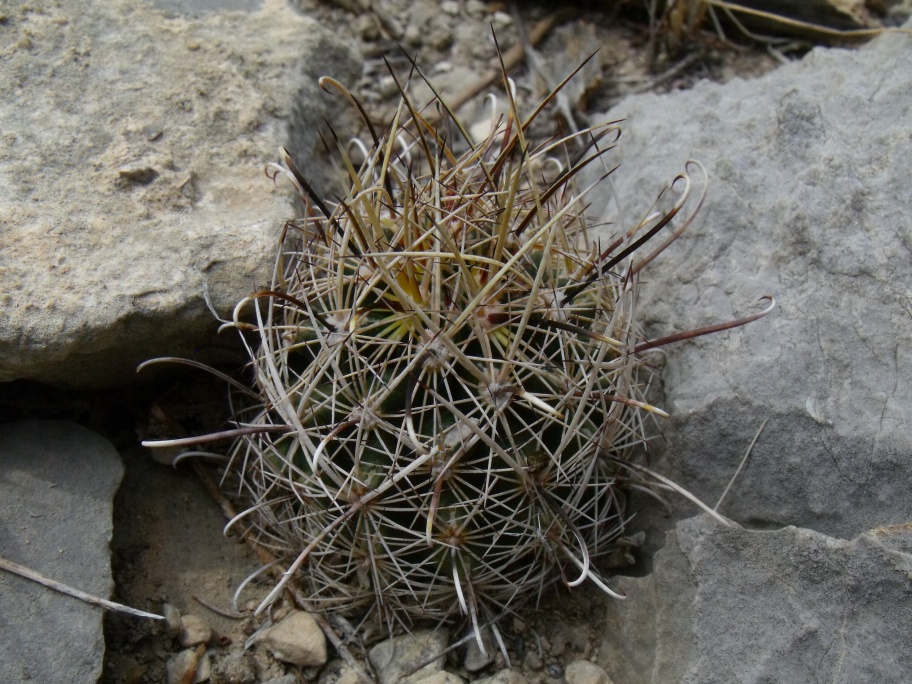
(474, 659)
(439, 678)
(132, 149)
(190, 665)
(57, 482)
(172, 617)
(584, 672)
(791, 605)
(338, 672)
(194, 631)
(503, 677)
(572, 636)
(286, 679)
(533, 661)
(808, 201)
(296, 639)
(476, 8)
(395, 657)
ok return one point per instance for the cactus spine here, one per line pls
(448, 367)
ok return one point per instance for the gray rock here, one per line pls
(132, 149)
(792, 605)
(172, 617)
(442, 677)
(474, 659)
(809, 201)
(504, 677)
(194, 631)
(57, 482)
(585, 672)
(285, 679)
(296, 639)
(396, 657)
(338, 672)
(180, 666)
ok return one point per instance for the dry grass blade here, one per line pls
(37, 577)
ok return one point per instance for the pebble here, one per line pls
(555, 671)
(438, 678)
(172, 620)
(532, 660)
(501, 20)
(394, 657)
(450, 7)
(296, 639)
(476, 8)
(366, 27)
(194, 631)
(338, 672)
(503, 677)
(180, 665)
(584, 672)
(474, 659)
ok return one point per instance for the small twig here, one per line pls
(224, 612)
(668, 74)
(511, 59)
(23, 571)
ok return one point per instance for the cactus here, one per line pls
(448, 364)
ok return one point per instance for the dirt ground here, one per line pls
(168, 543)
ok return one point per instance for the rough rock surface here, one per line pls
(504, 677)
(57, 481)
(808, 201)
(585, 672)
(132, 148)
(395, 658)
(791, 605)
(295, 639)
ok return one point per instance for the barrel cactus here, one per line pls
(448, 365)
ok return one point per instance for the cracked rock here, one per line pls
(791, 605)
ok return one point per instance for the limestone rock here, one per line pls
(296, 639)
(504, 677)
(338, 672)
(194, 631)
(395, 657)
(475, 660)
(190, 665)
(442, 677)
(132, 148)
(584, 672)
(808, 200)
(791, 605)
(57, 483)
